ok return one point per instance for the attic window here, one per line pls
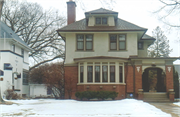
(101, 20)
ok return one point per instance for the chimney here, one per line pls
(71, 12)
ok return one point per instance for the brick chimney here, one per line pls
(71, 12)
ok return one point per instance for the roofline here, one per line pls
(175, 58)
(27, 47)
(99, 57)
(99, 30)
(87, 13)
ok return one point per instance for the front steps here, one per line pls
(155, 97)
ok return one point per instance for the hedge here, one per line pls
(96, 94)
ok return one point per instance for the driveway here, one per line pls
(170, 108)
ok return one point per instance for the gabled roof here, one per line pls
(101, 11)
(121, 25)
(6, 32)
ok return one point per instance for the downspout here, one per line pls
(126, 65)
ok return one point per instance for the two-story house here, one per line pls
(14, 62)
(104, 52)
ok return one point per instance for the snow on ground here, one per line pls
(177, 103)
(73, 108)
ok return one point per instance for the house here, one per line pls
(104, 52)
(14, 64)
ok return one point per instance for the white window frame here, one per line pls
(85, 64)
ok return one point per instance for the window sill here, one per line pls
(101, 25)
(117, 50)
(141, 49)
(101, 83)
(84, 50)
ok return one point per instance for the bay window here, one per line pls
(101, 72)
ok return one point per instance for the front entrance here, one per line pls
(154, 80)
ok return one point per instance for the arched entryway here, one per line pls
(154, 80)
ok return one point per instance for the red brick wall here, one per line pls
(138, 78)
(169, 78)
(129, 79)
(71, 80)
(110, 87)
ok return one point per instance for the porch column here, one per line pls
(169, 81)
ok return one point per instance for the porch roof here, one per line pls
(99, 57)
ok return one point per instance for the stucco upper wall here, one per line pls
(100, 47)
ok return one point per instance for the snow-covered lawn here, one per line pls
(73, 108)
(177, 103)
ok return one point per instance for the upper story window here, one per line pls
(117, 42)
(84, 42)
(140, 45)
(13, 48)
(22, 52)
(101, 20)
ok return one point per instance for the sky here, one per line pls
(139, 12)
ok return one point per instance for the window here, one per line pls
(81, 73)
(85, 42)
(112, 73)
(113, 42)
(122, 42)
(97, 73)
(90, 73)
(140, 45)
(117, 42)
(80, 42)
(101, 20)
(105, 73)
(7, 66)
(100, 72)
(13, 48)
(25, 77)
(22, 53)
(120, 74)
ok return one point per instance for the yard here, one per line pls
(73, 108)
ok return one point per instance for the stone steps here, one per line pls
(155, 97)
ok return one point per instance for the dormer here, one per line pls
(101, 17)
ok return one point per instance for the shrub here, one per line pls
(96, 94)
(10, 94)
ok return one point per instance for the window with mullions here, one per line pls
(112, 73)
(113, 42)
(97, 73)
(101, 20)
(85, 42)
(81, 73)
(90, 74)
(25, 78)
(120, 74)
(105, 73)
(117, 42)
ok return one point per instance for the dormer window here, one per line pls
(101, 20)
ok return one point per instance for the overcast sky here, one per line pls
(139, 12)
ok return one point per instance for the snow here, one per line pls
(177, 103)
(73, 108)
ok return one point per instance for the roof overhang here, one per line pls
(99, 58)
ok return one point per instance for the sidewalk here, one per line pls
(170, 108)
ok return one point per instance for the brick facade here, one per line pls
(71, 83)
(169, 77)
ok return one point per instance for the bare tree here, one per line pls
(52, 75)
(107, 4)
(1, 6)
(169, 10)
(37, 28)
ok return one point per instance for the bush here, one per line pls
(96, 94)
(10, 94)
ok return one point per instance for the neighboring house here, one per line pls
(40, 90)
(104, 52)
(14, 63)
